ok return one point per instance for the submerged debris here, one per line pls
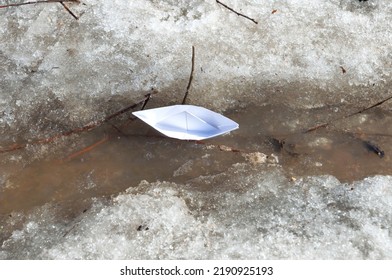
(276, 143)
(256, 158)
(371, 147)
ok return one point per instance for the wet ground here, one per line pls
(65, 172)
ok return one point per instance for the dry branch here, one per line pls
(68, 10)
(107, 138)
(36, 2)
(237, 13)
(47, 1)
(190, 77)
(370, 107)
(87, 127)
(316, 127)
(348, 116)
(87, 149)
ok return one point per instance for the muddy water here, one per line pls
(124, 158)
(349, 148)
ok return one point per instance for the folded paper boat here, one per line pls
(187, 122)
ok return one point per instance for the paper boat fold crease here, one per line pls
(187, 122)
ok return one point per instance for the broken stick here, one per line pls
(370, 107)
(190, 77)
(47, 1)
(107, 138)
(68, 10)
(87, 149)
(87, 127)
(348, 116)
(36, 2)
(237, 13)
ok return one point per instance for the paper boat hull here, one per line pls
(187, 122)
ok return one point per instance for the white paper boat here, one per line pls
(187, 122)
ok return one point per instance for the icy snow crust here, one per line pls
(71, 69)
(57, 73)
(262, 217)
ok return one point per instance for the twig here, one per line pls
(68, 10)
(370, 107)
(132, 118)
(36, 2)
(107, 138)
(146, 101)
(348, 116)
(316, 127)
(87, 149)
(191, 76)
(126, 109)
(237, 13)
(84, 128)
